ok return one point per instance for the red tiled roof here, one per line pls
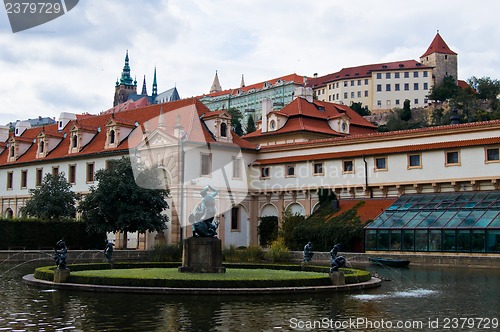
(364, 71)
(381, 135)
(367, 211)
(380, 151)
(438, 45)
(128, 105)
(313, 117)
(146, 117)
(287, 78)
(465, 86)
(213, 114)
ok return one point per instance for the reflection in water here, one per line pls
(416, 293)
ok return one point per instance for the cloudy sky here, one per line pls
(71, 63)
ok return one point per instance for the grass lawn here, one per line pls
(173, 274)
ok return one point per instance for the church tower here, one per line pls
(216, 85)
(442, 59)
(125, 85)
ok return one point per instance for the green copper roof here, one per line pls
(126, 79)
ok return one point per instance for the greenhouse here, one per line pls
(439, 222)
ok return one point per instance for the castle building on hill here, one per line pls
(385, 86)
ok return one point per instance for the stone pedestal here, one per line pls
(337, 278)
(61, 275)
(202, 255)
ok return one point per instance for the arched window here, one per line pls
(9, 214)
(111, 137)
(75, 141)
(41, 146)
(223, 129)
(12, 151)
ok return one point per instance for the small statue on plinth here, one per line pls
(308, 253)
(108, 251)
(204, 214)
(336, 262)
(61, 255)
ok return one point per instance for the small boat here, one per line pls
(392, 262)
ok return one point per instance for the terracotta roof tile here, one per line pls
(147, 117)
(364, 71)
(367, 211)
(287, 78)
(438, 45)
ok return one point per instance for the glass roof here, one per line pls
(442, 211)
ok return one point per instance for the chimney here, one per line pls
(267, 106)
(304, 93)
(21, 126)
(315, 75)
(64, 119)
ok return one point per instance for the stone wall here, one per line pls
(74, 256)
(473, 260)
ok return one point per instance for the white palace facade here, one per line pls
(306, 145)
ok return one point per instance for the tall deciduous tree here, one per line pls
(118, 204)
(54, 199)
(487, 89)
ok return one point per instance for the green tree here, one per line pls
(487, 89)
(448, 89)
(360, 109)
(250, 128)
(54, 199)
(118, 204)
(236, 117)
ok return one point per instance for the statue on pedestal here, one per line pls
(61, 254)
(203, 215)
(336, 262)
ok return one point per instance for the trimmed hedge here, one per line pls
(351, 276)
(37, 234)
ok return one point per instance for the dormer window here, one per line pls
(223, 129)
(112, 137)
(41, 146)
(74, 141)
(272, 124)
(12, 151)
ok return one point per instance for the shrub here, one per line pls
(165, 253)
(251, 254)
(278, 251)
(268, 230)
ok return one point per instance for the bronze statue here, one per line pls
(204, 214)
(308, 253)
(336, 262)
(61, 254)
(108, 251)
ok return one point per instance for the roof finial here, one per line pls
(242, 84)
(161, 119)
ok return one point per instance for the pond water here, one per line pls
(418, 297)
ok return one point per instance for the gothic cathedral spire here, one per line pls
(154, 93)
(144, 90)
